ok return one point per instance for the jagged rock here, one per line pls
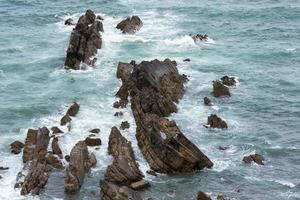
(229, 81)
(84, 41)
(55, 147)
(124, 169)
(199, 37)
(95, 130)
(151, 172)
(29, 145)
(123, 72)
(118, 114)
(73, 110)
(65, 119)
(219, 89)
(70, 22)
(36, 179)
(202, 196)
(42, 141)
(80, 163)
(130, 25)
(99, 17)
(90, 141)
(155, 89)
(111, 191)
(139, 185)
(258, 159)
(223, 197)
(16, 147)
(125, 125)
(213, 121)
(207, 101)
(55, 130)
(4, 168)
(54, 161)
(187, 60)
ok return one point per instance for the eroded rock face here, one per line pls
(130, 25)
(65, 119)
(140, 185)
(55, 147)
(213, 121)
(219, 89)
(16, 147)
(111, 191)
(258, 159)
(29, 146)
(229, 81)
(155, 87)
(79, 164)
(54, 161)
(84, 41)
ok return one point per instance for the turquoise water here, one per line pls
(257, 41)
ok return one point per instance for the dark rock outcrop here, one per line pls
(54, 161)
(95, 130)
(199, 37)
(29, 145)
(55, 130)
(155, 87)
(187, 60)
(65, 119)
(111, 191)
(219, 89)
(223, 197)
(202, 196)
(3, 168)
(80, 163)
(84, 41)
(55, 147)
(130, 25)
(92, 141)
(258, 159)
(223, 148)
(207, 101)
(125, 125)
(70, 22)
(73, 110)
(140, 185)
(229, 81)
(213, 121)
(16, 147)
(118, 114)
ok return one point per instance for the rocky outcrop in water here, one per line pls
(124, 125)
(16, 147)
(72, 111)
(55, 130)
(219, 89)
(207, 101)
(92, 141)
(111, 191)
(199, 37)
(258, 159)
(55, 147)
(202, 196)
(70, 22)
(155, 87)
(79, 164)
(29, 145)
(229, 81)
(84, 41)
(130, 25)
(213, 121)
(95, 130)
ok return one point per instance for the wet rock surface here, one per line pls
(199, 37)
(140, 185)
(65, 119)
(84, 42)
(219, 89)
(73, 110)
(4, 168)
(130, 25)
(125, 125)
(70, 22)
(213, 121)
(229, 81)
(54, 161)
(111, 191)
(258, 159)
(92, 141)
(55, 147)
(79, 164)
(55, 130)
(207, 101)
(16, 147)
(202, 196)
(95, 130)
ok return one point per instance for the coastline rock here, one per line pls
(95, 130)
(187, 60)
(213, 121)
(202, 196)
(207, 101)
(67, 158)
(151, 172)
(118, 114)
(258, 159)
(140, 185)
(79, 164)
(219, 89)
(84, 41)
(65, 119)
(199, 37)
(125, 125)
(91, 141)
(55, 130)
(73, 110)
(70, 22)
(3, 168)
(55, 147)
(111, 191)
(16, 147)
(29, 145)
(229, 81)
(54, 161)
(130, 25)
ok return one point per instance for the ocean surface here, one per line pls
(256, 41)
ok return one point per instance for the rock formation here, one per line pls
(70, 22)
(111, 191)
(79, 164)
(92, 141)
(72, 111)
(213, 121)
(207, 101)
(258, 159)
(202, 196)
(55, 130)
(84, 41)
(125, 125)
(219, 89)
(95, 130)
(229, 81)
(55, 147)
(199, 37)
(16, 147)
(130, 25)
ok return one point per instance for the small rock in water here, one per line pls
(139, 185)
(219, 89)
(16, 147)
(229, 81)
(92, 141)
(130, 25)
(125, 125)
(258, 159)
(214, 121)
(199, 37)
(95, 130)
(4, 168)
(74, 109)
(187, 60)
(202, 196)
(56, 130)
(70, 22)
(222, 197)
(118, 114)
(207, 101)
(99, 17)
(65, 119)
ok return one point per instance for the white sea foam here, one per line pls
(285, 183)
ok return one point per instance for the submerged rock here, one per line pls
(258, 159)
(79, 164)
(222, 197)
(118, 114)
(207, 101)
(187, 60)
(3, 168)
(229, 81)
(125, 125)
(16, 147)
(130, 25)
(70, 22)
(223, 148)
(213, 121)
(219, 89)
(202, 196)
(84, 41)
(199, 37)
(95, 130)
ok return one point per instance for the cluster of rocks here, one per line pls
(199, 37)
(202, 196)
